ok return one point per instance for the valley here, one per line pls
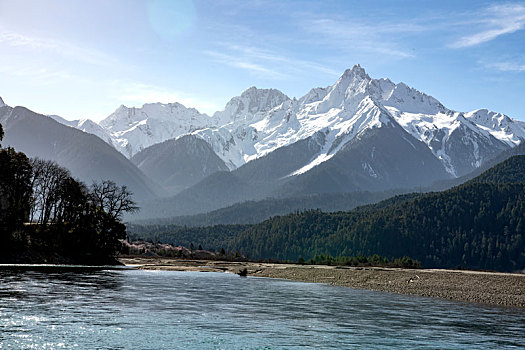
(275, 177)
(359, 134)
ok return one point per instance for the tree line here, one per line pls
(45, 212)
(479, 225)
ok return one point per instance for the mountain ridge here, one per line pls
(359, 134)
(261, 120)
(87, 156)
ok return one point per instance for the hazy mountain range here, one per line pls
(86, 156)
(359, 134)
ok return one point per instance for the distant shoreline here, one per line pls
(494, 288)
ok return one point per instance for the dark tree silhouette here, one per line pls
(15, 189)
(49, 199)
(113, 199)
(67, 221)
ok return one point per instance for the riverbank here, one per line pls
(504, 289)
(39, 255)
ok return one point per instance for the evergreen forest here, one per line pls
(476, 225)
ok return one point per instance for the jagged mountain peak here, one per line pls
(315, 94)
(484, 115)
(123, 116)
(255, 91)
(347, 92)
(173, 106)
(499, 125)
(354, 104)
(251, 102)
(133, 129)
(259, 121)
(356, 71)
(354, 84)
(411, 100)
(2, 104)
(352, 77)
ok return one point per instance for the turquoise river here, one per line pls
(132, 309)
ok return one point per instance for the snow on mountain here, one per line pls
(252, 104)
(342, 111)
(86, 125)
(445, 132)
(133, 129)
(2, 104)
(510, 131)
(235, 140)
(451, 137)
(368, 115)
(259, 121)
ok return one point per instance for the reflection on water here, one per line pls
(130, 309)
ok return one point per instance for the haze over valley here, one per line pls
(359, 134)
(199, 174)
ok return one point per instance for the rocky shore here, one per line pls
(504, 289)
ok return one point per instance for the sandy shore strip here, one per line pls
(505, 289)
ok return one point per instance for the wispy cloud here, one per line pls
(264, 63)
(495, 21)
(55, 47)
(389, 37)
(506, 66)
(365, 37)
(244, 62)
(37, 74)
(255, 53)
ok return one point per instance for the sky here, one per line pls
(83, 59)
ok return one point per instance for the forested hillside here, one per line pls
(510, 171)
(480, 224)
(476, 226)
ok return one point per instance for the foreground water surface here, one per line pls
(132, 309)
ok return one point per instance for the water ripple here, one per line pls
(183, 310)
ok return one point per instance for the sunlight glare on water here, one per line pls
(133, 309)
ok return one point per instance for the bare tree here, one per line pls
(113, 199)
(47, 182)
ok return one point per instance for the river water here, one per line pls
(132, 309)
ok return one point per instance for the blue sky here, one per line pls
(82, 59)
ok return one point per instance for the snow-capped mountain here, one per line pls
(253, 104)
(87, 157)
(510, 131)
(2, 104)
(260, 121)
(133, 129)
(340, 112)
(352, 105)
(236, 138)
(359, 134)
(88, 126)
